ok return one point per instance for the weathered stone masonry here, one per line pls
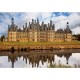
(36, 32)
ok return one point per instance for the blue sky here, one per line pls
(58, 18)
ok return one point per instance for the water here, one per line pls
(39, 59)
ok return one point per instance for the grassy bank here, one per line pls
(63, 66)
(38, 43)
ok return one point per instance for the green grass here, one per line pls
(39, 43)
(59, 66)
(63, 66)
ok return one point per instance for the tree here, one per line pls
(77, 36)
(2, 38)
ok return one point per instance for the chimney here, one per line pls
(25, 24)
(42, 23)
(35, 21)
(32, 21)
(29, 23)
(23, 27)
(50, 22)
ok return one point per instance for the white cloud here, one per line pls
(60, 21)
(42, 16)
(3, 31)
(76, 30)
(73, 19)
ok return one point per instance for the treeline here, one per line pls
(77, 36)
(2, 38)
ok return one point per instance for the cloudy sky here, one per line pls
(58, 18)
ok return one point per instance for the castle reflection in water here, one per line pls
(35, 57)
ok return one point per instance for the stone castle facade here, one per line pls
(35, 32)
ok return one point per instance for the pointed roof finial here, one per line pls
(67, 22)
(12, 20)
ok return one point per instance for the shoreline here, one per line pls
(24, 47)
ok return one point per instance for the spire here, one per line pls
(12, 20)
(68, 29)
(67, 24)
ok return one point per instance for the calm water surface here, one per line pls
(39, 59)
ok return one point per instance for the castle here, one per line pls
(35, 32)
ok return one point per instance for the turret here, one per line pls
(50, 22)
(23, 27)
(53, 26)
(35, 21)
(42, 24)
(29, 23)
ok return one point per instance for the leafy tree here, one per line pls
(77, 36)
(2, 38)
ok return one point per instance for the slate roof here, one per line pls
(60, 31)
(67, 30)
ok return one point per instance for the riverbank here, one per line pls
(63, 66)
(39, 45)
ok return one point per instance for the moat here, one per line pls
(39, 58)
